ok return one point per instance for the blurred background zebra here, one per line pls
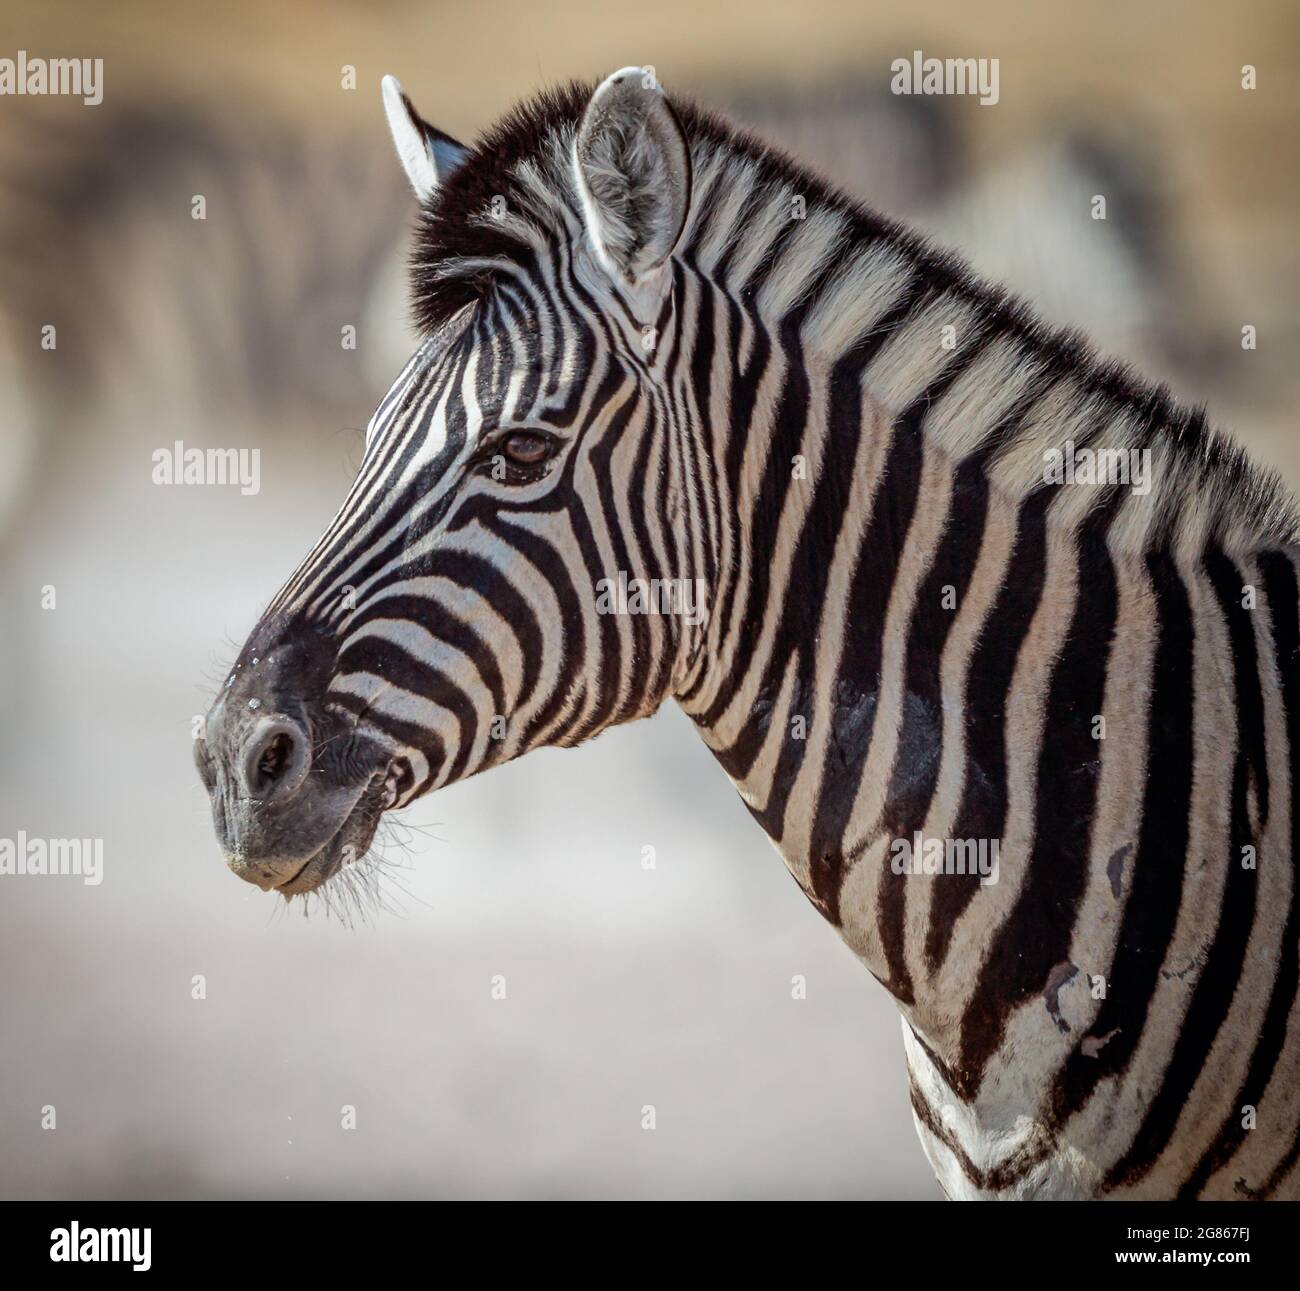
(227, 332)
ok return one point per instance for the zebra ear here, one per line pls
(633, 169)
(428, 156)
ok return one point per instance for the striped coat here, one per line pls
(973, 595)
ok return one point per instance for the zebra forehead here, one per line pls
(473, 222)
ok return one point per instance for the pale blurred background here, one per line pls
(625, 987)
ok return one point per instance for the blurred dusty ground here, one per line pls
(624, 987)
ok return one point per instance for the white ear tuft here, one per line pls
(428, 156)
(633, 169)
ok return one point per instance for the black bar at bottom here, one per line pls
(88, 1240)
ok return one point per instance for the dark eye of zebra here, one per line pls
(527, 448)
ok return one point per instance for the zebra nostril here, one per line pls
(276, 759)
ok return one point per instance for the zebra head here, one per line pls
(524, 482)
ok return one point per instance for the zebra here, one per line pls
(654, 349)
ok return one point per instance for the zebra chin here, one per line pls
(296, 876)
(312, 843)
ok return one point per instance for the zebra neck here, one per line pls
(891, 550)
(878, 468)
(804, 669)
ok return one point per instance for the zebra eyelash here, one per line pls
(493, 447)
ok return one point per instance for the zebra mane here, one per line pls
(1210, 490)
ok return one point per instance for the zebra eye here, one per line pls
(526, 448)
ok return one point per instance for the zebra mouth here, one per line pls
(351, 841)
